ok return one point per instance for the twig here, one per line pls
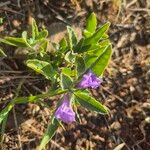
(18, 131)
(8, 19)
(19, 77)
(116, 96)
(12, 71)
(34, 87)
(130, 4)
(140, 9)
(58, 16)
(4, 3)
(18, 1)
(12, 11)
(14, 114)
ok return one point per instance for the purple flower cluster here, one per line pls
(65, 112)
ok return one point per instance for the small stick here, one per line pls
(4, 3)
(18, 131)
(12, 11)
(116, 96)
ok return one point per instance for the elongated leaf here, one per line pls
(70, 57)
(42, 67)
(91, 23)
(68, 71)
(63, 45)
(42, 35)
(24, 35)
(80, 65)
(92, 56)
(90, 103)
(19, 42)
(66, 81)
(102, 62)
(2, 54)
(87, 33)
(43, 46)
(36, 98)
(79, 46)
(105, 43)
(98, 61)
(54, 124)
(5, 111)
(97, 35)
(87, 48)
(2, 130)
(72, 37)
(35, 31)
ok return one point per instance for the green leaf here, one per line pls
(63, 45)
(2, 54)
(91, 56)
(102, 62)
(79, 46)
(5, 112)
(35, 31)
(80, 65)
(42, 35)
(42, 67)
(43, 46)
(68, 71)
(105, 36)
(66, 81)
(97, 35)
(91, 23)
(19, 42)
(98, 61)
(35, 98)
(2, 130)
(70, 57)
(53, 126)
(72, 37)
(104, 43)
(1, 20)
(87, 33)
(24, 35)
(88, 48)
(90, 103)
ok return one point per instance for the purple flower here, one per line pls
(65, 111)
(89, 80)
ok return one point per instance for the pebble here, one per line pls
(16, 23)
(132, 89)
(115, 125)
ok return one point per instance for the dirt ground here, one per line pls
(125, 90)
